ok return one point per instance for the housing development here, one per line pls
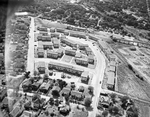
(57, 69)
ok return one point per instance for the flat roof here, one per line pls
(68, 40)
(59, 50)
(70, 50)
(84, 45)
(111, 78)
(112, 63)
(66, 66)
(51, 52)
(91, 56)
(112, 68)
(82, 59)
(46, 43)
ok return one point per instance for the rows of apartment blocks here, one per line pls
(111, 68)
(50, 43)
(41, 67)
(62, 31)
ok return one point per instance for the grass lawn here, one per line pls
(66, 58)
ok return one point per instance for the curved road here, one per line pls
(98, 72)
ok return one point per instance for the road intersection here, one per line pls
(98, 72)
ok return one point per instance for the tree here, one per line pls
(55, 93)
(87, 101)
(113, 110)
(124, 101)
(51, 101)
(132, 112)
(105, 113)
(113, 97)
(91, 89)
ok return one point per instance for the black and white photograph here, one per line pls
(75, 58)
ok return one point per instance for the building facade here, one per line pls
(81, 61)
(70, 52)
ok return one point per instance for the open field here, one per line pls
(144, 109)
(127, 84)
(48, 24)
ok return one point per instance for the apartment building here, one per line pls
(52, 54)
(46, 45)
(82, 46)
(41, 67)
(70, 52)
(60, 30)
(42, 29)
(55, 35)
(68, 42)
(81, 61)
(56, 43)
(91, 59)
(85, 77)
(75, 34)
(65, 68)
(60, 52)
(88, 51)
(111, 80)
(40, 53)
(44, 38)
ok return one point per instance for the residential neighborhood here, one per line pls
(81, 62)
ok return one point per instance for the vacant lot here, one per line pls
(49, 24)
(127, 83)
(144, 109)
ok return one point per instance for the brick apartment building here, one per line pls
(46, 45)
(82, 46)
(55, 35)
(88, 51)
(91, 59)
(70, 52)
(85, 77)
(44, 38)
(56, 43)
(65, 68)
(40, 66)
(40, 53)
(81, 61)
(74, 34)
(68, 42)
(52, 54)
(42, 29)
(60, 52)
(43, 33)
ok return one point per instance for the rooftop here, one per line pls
(111, 68)
(111, 78)
(85, 74)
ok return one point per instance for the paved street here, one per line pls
(98, 72)
(30, 59)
